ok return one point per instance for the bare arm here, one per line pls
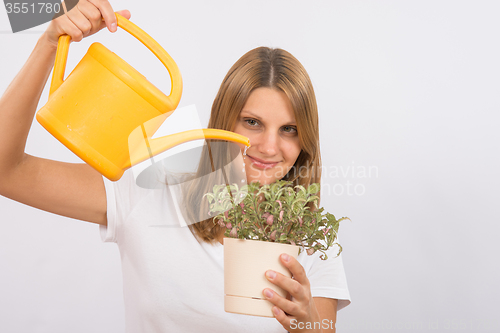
(18, 104)
(72, 190)
(327, 309)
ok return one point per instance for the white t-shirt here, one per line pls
(174, 283)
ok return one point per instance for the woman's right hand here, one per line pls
(85, 19)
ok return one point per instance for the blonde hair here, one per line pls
(276, 69)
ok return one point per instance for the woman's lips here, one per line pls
(260, 164)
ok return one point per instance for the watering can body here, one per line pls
(104, 99)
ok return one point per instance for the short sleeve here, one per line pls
(328, 278)
(121, 197)
(108, 232)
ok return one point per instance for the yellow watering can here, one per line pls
(101, 102)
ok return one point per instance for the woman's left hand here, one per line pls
(299, 313)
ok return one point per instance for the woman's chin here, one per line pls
(265, 177)
(262, 181)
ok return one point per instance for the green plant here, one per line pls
(276, 212)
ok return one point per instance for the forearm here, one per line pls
(327, 310)
(19, 102)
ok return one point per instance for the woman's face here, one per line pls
(267, 119)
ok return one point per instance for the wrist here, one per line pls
(46, 43)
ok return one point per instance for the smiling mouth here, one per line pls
(264, 165)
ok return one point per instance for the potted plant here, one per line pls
(261, 223)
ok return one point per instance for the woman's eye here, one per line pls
(290, 129)
(251, 122)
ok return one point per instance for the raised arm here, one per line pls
(72, 190)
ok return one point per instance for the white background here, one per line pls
(406, 89)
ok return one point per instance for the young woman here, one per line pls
(173, 277)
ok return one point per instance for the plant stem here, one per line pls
(256, 207)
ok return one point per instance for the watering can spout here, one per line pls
(159, 145)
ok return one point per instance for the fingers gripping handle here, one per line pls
(171, 100)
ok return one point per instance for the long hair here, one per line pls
(276, 69)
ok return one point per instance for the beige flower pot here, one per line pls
(245, 265)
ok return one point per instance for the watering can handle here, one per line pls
(175, 75)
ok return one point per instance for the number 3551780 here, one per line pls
(39, 7)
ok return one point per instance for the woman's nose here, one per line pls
(269, 144)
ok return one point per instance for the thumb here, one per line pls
(125, 13)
